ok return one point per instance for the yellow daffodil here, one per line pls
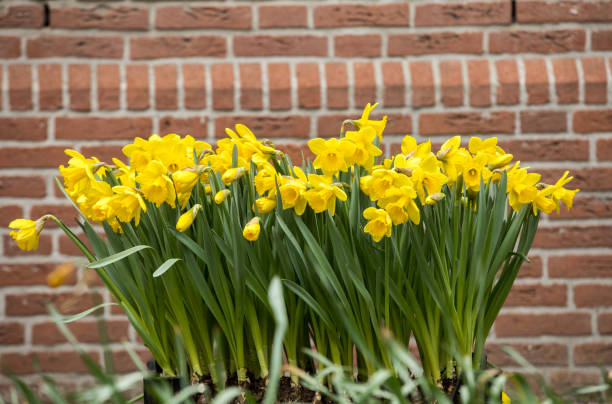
(561, 194)
(221, 196)
(474, 168)
(156, 185)
(60, 274)
(379, 224)
(26, 232)
(266, 204)
(187, 218)
(365, 151)
(434, 198)
(410, 148)
(505, 398)
(79, 173)
(265, 179)
(452, 156)
(233, 174)
(322, 194)
(127, 204)
(252, 229)
(332, 154)
(365, 121)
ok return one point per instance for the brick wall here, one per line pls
(537, 74)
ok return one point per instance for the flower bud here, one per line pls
(187, 218)
(221, 196)
(252, 229)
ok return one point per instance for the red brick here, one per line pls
(277, 126)
(23, 128)
(536, 81)
(329, 125)
(309, 85)
(11, 333)
(50, 86)
(280, 45)
(10, 47)
(531, 150)
(86, 332)
(86, 127)
(364, 84)
(394, 89)
(601, 40)
(507, 77)
(108, 87)
(541, 121)
(564, 381)
(536, 294)
(480, 83)
(540, 41)
(573, 236)
(279, 86)
(194, 126)
(422, 82)
(285, 16)
(451, 83)
(79, 87)
(251, 95)
(50, 46)
(593, 121)
(123, 362)
(12, 250)
(336, 78)
(8, 213)
(137, 78)
(28, 274)
(535, 325)
(580, 266)
(604, 323)
(65, 213)
(592, 295)
(595, 83)
(470, 13)
(532, 269)
(464, 123)
(586, 207)
(354, 15)
(20, 87)
(397, 124)
(435, 43)
(537, 353)
(32, 157)
(223, 86)
(22, 186)
(349, 46)
(29, 304)
(22, 16)
(105, 153)
(566, 80)
(531, 11)
(46, 361)
(202, 17)
(593, 353)
(174, 46)
(604, 149)
(298, 153)
(587, 179)
(194, 84)
(166, 94)
(110, 17)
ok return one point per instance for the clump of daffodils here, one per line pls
(165, 171)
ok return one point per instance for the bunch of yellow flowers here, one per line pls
(165, 170)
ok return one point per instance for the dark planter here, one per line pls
(455, 398)
(174, 383)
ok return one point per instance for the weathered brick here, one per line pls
(194, 126)
(604, 149)
(87, 127)
(364, 83)
(595, 83)
(174, 46)
(104, 153)
(531, 11)
(8, 213)
(280, 45)
(66, 213)
(538, 353)
(573, 236)
(422, 82)
(108, 86)
(586, 179)
(367, 45)
(531, 150)
(298, 153)
(480, 83)
(472, 123)
(566, 80)
(532, 269)
(540, 41)
(203, 17)
(28, 274)
(593, 295)
(604, 323)
(580, 266)
(282, 16)
(565, 381)
(86, 332)
(467, 13)
(534, 325)
(20, 87)
(507, 77)
(30, 128)
(536, 294)
(394, 89)
(79, 87)
(434, 43)
(586, 207)
(194, 84)
(336, 78)
(32, 157)
(536, 81)
(541, 121)
(223, 86)
(353, 15)
(110, 17)
(451, 83)
(166, 93)
(601, 40)
(593, 353)
(309, 85)
(137, 78)
(22, 186)
(592, 121)
(22, 16)
(10, 47)
(11, 333)
(50, 46)
(251, 95)
(277, 126)
(46, 361)
(329, 125)
(279, 86)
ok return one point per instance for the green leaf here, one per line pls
(116, 257)
(165, 266)
(75, 317)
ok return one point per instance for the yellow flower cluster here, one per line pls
(166, 170)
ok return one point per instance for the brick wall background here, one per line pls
(92, 75)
